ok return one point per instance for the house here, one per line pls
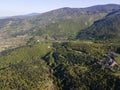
(108, 60)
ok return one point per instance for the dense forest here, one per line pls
(75, 65)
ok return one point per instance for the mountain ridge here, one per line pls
(41, 21)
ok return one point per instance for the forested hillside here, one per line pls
(59, 24)
(23, 68)
(61, 66)
(106, 28)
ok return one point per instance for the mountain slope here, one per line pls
(74, 19)
(106, 28)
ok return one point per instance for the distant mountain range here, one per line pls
(106, 28)
(63, 23)
(20, 16)
(25, 16)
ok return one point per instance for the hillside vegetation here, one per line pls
(106, 28)
(68, 65)
(24, 68)
(59, 24)
(66, 21)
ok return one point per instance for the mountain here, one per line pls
(63, 23)
(25, 16)
(59, 24)
(106, 28)
(104, 8)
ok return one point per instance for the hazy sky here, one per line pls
(19, 7)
